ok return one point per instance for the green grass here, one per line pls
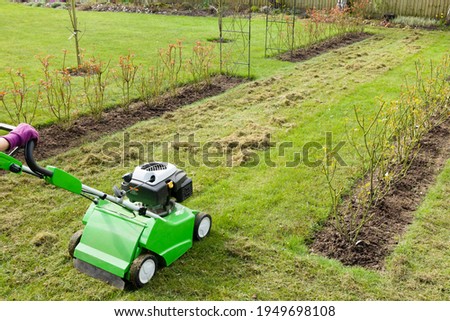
(426, 245)
(33, 32)
(263, 216)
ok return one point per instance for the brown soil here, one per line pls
(393, 215)
(55, 139)
(324, 46)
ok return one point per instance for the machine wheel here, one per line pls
(74, 240)
(143, 269)
(202, 226)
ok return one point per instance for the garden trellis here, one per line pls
(280, 27)
(235, 26)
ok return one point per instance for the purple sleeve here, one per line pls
(21, 135)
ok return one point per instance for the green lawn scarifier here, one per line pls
(128, 235)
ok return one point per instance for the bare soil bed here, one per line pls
(55, 139)
(324, 46)
(393, 215)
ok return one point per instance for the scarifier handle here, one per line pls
(29, 158)
(7, 127)
(34, 168)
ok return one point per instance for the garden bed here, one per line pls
(180, 9)
(394, 213)
(302, 54)
(55, 139)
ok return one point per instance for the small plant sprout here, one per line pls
(126, 77)
(200, 64)
(172, 59)
(95, 83)
(58, 89)
(22, 99)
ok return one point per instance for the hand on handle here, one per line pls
(21, 135)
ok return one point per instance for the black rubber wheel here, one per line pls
(143, 269)
(202, 226)
(74, 240)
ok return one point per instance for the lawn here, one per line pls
(264, 215)
(38, 32)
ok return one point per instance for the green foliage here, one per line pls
(58, 90)
(416, 22)
(200, 64)
(95, 82)
(152, 82)
(126, 76)
(254, 8)
(21, 99)
(172, 60)
(57, 4)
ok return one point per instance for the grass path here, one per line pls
(263, 216)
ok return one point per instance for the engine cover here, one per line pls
(154, 184)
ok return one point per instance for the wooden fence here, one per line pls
(419, 8)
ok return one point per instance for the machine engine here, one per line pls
(155, 184)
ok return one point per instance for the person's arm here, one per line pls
(18, 137)
(4, 145)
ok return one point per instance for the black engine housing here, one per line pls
(154, 184)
